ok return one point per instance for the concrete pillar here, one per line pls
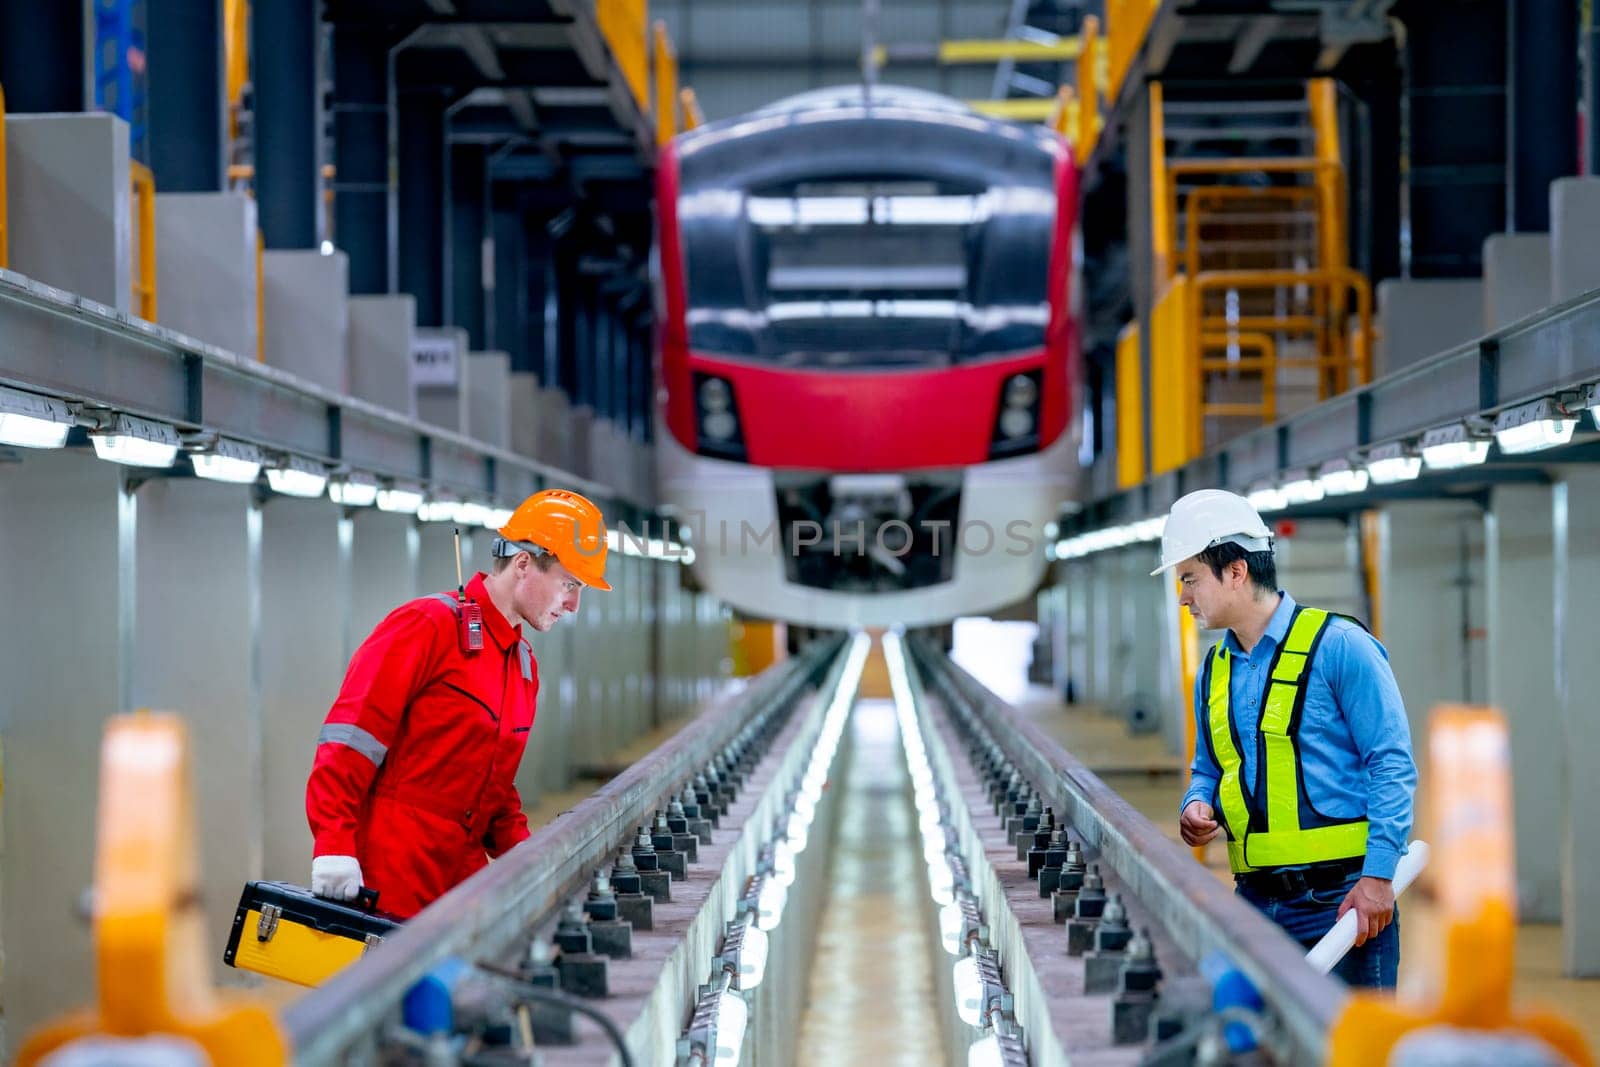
(1080, 623)
(1145, 615)
(206, 268)
(1318, 566)
(1417, 319)
(441, 379)
(1434, 605)
(1516, 277)
(196, 644)
(305, 597)
(524, 417)
(1577, 570)
(1177, 700)
(553, 427)
(1102, 632)
(307, 316)
(69, 221)
(489, 398)
(61, 660)
(436, 557)
(381, 331)
(1574, 219)
(383, 570)
(1518, 557)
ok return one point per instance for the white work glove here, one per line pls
(336, 877)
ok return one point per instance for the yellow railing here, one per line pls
(1211, 204)
(1193, 349)
(1091, 59)
(5, 246)
(693, 117)
(1161, 186)
(1126, 24)
(1330, 175)
(666, 71)
(1130, 409)
(1164, 194)
(1064, 115)
(1017, 109)
(143, 207)
(625, 26)
(236, 48)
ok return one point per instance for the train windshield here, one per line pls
(833, 267)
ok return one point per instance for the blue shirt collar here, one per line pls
(1277, 628)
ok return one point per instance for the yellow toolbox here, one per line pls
(285, 931)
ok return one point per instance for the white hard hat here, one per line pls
(1209, 517)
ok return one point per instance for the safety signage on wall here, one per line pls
(433, 361)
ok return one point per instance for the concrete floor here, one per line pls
(871, 1001)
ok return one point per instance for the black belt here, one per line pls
(1293, 882)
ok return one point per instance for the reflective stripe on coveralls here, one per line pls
(352, 736)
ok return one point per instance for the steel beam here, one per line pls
(63, 346)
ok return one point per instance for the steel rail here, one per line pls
(485, 915)
(1200, 914)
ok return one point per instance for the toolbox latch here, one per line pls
(267, 925)
(373, 941)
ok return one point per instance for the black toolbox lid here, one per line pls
(354, 919)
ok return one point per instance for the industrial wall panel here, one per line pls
(305, 595)
(61, 661)
(307, 318)
(381, 332)
(68, 188)
(199, 544)
(206, 268)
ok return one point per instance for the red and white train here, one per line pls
(869, 360)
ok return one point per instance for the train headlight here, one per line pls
(719, 426)
(1021, 392)
(715, 396)
(1016, 423)
(717, 418)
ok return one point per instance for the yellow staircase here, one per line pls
(1258, 311)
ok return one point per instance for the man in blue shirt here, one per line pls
(1303, 755)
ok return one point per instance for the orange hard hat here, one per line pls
(565, 524)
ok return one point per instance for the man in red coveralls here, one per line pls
(413, 780)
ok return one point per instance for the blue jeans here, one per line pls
(1307, 916)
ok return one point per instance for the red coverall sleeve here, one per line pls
(387, 671)
(509, 826)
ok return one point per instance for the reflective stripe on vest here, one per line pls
(1265, 831)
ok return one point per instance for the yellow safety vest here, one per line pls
(1265, 831)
